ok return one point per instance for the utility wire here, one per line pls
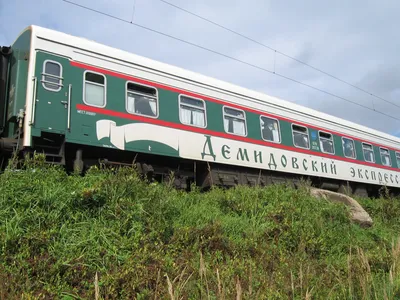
(227, 56)
(276, 51)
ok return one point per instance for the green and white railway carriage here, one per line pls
(80, 102)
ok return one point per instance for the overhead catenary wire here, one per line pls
(277, 51)
(229, 57)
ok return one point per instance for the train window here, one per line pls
(94, 89)
(52, 76)
(349, 149)
(398, 159)
(192, 111)
(300, 136)
(234, 121)
(270, 129)
(326, 142)
(141, 100)
(385, 157)
(368, 152)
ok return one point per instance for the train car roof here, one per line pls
(90, 45)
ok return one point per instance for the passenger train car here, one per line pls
(81, 102)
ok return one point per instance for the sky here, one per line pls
(355, 41)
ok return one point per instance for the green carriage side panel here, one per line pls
(82, 123)
(83, 128)
(18, 83)
(51, 109)
(18, 79)
(253, 126)
(215, 119)
(314, 140)
(153, 147)
(393, 159)
(115, 89)
(337, 140)
(17, 93)
(359, 152)
(168, 106)
(286, 133)
(377, 153)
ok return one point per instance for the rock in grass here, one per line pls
(358, 214)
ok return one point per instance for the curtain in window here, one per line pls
(368, 155)
(305, 139)
(131, 104)
(386, 159)
(153, 106)
(371, 156)
(323, 146)
(226, 124)
(94, 94)
(198, 118)
(238, 127)
(330, 147)
(185, 115)
(275, 135)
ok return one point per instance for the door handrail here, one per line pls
(69, 107)
(34, 101)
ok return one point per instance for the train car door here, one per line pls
(53, 91)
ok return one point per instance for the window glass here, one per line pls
(398, 159)
(192, 111)
(326, 142)
(234, 121)
(368, 152)
(349, 149)
(270, 129)
(385, 157)
(300, 136)
(52, 76)
(95, 89)
(141, 100)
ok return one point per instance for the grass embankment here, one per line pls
(153, 242)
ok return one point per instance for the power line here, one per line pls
(276, 51)
(227, 56)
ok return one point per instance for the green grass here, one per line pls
(110, 235)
